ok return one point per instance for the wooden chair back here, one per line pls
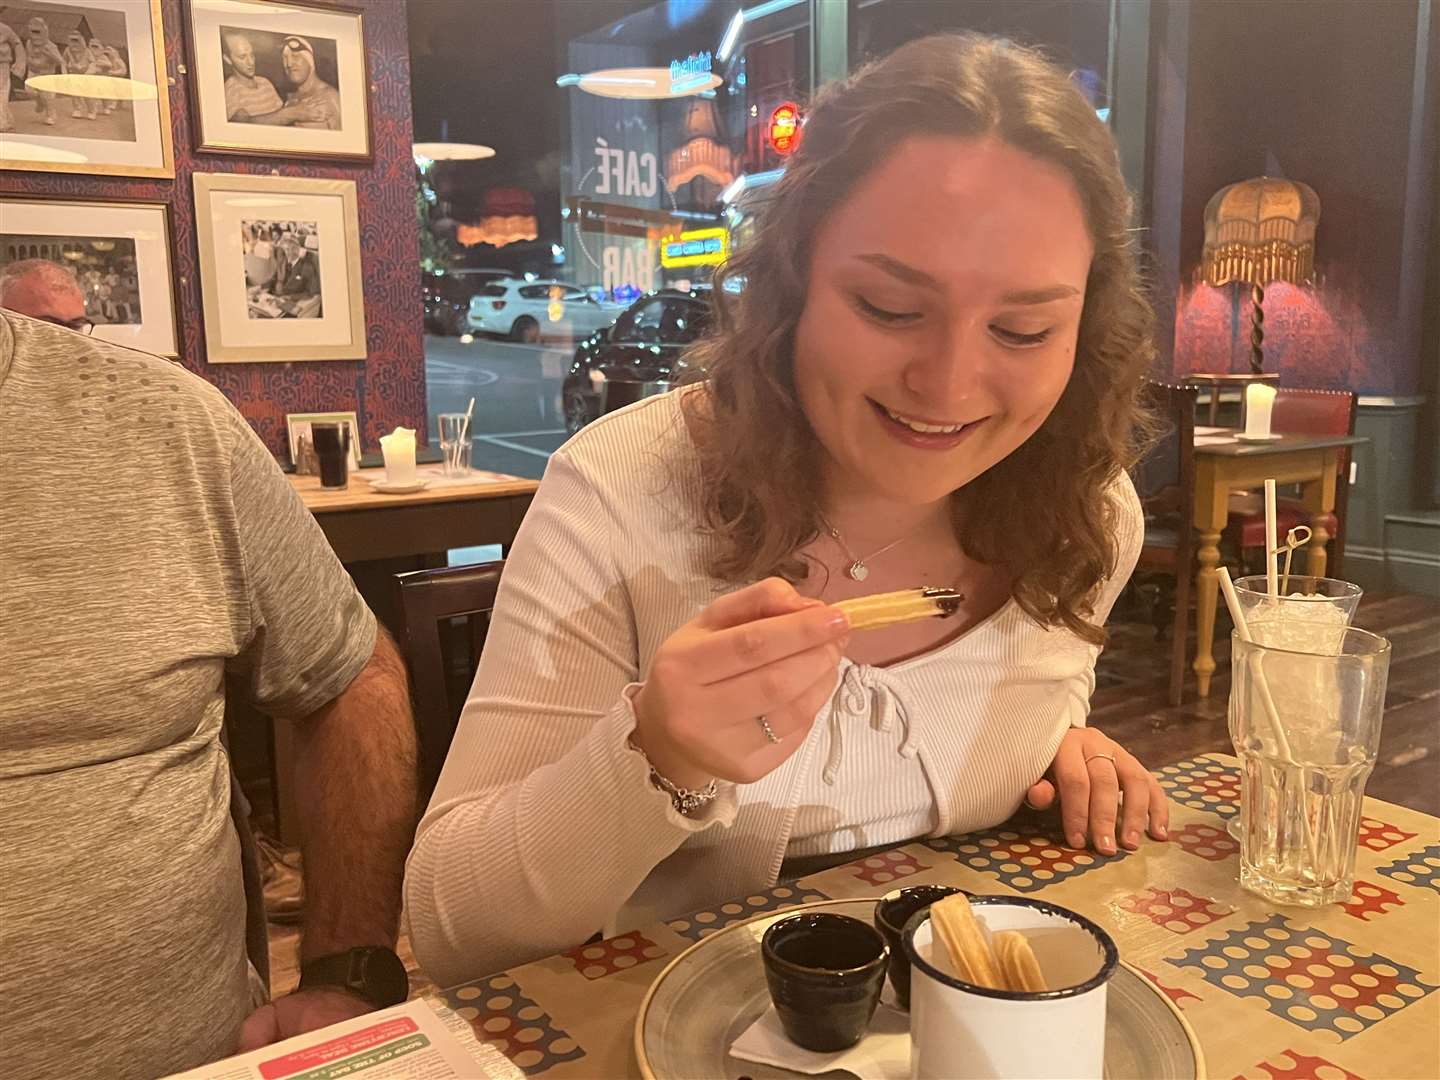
(445, 615)
(1165, 482)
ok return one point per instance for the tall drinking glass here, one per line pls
(1306, 726)
(455, 443)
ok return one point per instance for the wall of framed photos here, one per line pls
(385, 389)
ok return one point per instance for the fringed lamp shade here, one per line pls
(1256, 232)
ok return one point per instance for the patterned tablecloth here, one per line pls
(1340, 993)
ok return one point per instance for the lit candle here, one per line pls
(399, 450)
(1259, 400)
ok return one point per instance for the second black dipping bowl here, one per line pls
(892, 912)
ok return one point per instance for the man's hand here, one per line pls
(1090, 773)
(297, 1013)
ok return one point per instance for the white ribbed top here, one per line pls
(544, 827)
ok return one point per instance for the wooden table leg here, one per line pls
(1319, 498)
(1211, 509)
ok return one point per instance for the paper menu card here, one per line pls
(420, 1040)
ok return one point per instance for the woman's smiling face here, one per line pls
(941, 317)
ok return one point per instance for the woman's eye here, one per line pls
(881, 315)
(1017, 340)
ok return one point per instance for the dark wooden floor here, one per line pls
(1130, 706)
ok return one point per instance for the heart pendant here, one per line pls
(858, 571)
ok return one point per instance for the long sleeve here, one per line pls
(1130, 529)
(544, 821)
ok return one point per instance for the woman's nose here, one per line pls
(949, 371)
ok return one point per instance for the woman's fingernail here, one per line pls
(1077, 840)
(1107, 845)
(1132, 838)
(1162, 832)
(838, 622)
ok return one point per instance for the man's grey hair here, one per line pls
(50, 274)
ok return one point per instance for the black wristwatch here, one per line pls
(373, 973)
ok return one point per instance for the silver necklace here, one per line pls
(857, 570)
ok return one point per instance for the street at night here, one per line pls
(517, 421)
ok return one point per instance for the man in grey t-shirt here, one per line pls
(149, 546)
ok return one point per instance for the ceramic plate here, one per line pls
(398, 489)
(714, 990)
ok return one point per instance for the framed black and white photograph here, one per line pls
(279, 268)
(118, 254)
(288, 78)
(302, 442)
(83, 88)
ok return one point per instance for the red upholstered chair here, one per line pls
(1165, 482)
(1300, 412)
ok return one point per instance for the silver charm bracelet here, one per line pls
(684, 800)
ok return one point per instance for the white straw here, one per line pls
(1242, 628)
(464, 430)
(1267, 701)
(1272, 583)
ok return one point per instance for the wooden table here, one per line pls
(1224, 465)
(363, 524)
(1341, 991)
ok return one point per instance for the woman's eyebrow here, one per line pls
(911, 275)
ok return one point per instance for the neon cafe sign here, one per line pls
(695, 247)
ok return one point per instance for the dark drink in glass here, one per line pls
(332, 447)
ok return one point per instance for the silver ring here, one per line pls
(1108, 757)
(765, 727)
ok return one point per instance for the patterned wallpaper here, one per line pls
(386, 390)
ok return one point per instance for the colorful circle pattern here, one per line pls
(613, 955)
(887, 867)
(515, 1025)
(701, 924)
(1177, 910)
(1421, 868)
(1307, 977)
(1203, 784)
(1370, 899)
(1379, 835)
(1294, 1065)
(1027, 862)
(1205, 842)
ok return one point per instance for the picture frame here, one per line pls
(283, 78)
(61, 119)
(280, 268)
(298, 424)
(119, 252)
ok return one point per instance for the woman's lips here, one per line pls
(922, 440)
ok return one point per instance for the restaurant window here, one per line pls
(668, 138)
(1076, 33)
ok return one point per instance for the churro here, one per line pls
(886, 609)
(964, 938)
(1018, 966)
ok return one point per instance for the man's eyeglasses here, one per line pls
(80, 326)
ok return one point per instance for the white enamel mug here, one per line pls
(960, 1029)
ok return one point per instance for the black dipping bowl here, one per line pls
(892, 912)
(825, 972)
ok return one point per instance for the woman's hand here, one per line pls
(764, 651)
(1090, 771)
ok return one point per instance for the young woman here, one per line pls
(928, 379)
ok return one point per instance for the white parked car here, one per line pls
(530, 310)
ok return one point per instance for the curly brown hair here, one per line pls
(1043, 516)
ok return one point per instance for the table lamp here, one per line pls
(1256, 232)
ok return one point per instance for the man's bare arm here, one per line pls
(355, 775)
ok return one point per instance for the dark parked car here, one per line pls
(447, 298)
(639, 355)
